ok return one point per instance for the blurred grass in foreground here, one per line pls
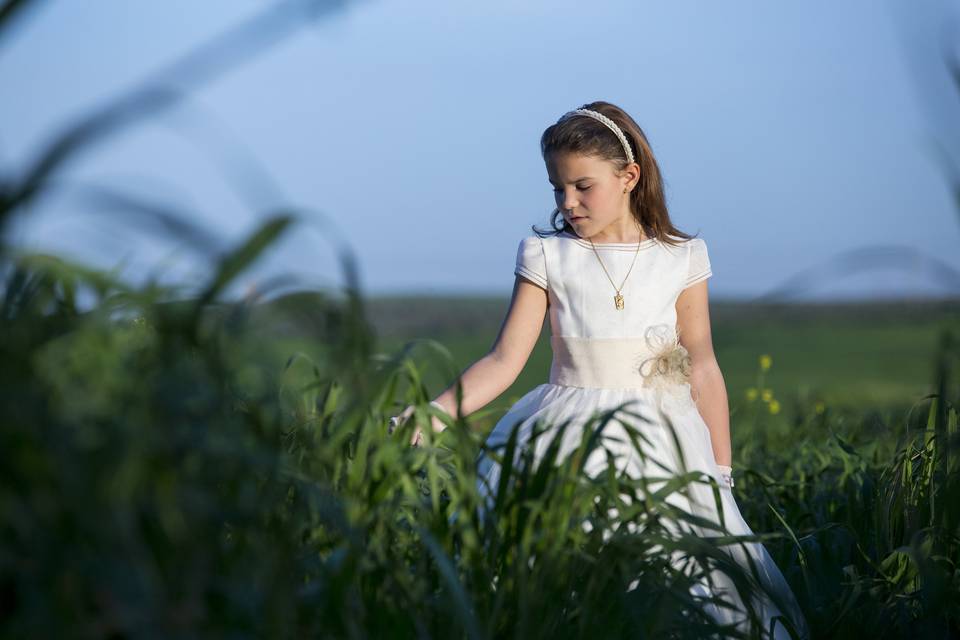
(161, 471)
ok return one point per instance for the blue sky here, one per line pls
(788, 134)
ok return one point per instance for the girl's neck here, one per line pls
(622, 231)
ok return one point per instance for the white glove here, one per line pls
(726, 473)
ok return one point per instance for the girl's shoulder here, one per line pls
(685, 241)
(686, 245)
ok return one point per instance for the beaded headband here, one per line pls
(596, 115)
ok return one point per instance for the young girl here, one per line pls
(626, 294)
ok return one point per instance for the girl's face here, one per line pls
(588, 192)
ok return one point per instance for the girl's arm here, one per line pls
(706, 381)
(491, 375)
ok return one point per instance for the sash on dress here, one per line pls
(657, 360)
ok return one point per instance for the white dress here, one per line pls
(604, 357)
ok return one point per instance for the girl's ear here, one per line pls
(630, 176)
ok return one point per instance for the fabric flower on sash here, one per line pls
(670, 363)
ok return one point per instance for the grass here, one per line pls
(868, 357)
(163, 468)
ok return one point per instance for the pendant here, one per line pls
(618, 300)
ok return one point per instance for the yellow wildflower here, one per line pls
(751, 394)
(765, 362)
(774, 407)
(767, 395)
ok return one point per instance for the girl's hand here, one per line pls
(417, 437)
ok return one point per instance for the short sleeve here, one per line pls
(698, 264)
(531, 262)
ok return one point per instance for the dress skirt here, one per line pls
(648, 381)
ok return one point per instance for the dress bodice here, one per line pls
(582, 297)
(595, 343)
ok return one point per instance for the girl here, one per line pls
(626, 294)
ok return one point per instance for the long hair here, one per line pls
(584, 135)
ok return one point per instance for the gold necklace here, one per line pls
(618, 298)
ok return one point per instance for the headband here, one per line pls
(596, 115)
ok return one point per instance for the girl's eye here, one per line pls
(581, 189)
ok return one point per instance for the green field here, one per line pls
(225, 467)
(877, 356)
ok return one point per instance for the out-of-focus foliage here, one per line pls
(156, 474)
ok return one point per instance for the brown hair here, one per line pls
(585, 135)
